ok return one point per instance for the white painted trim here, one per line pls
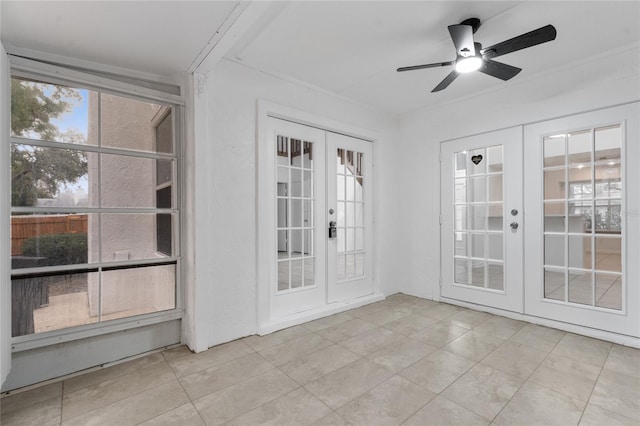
(240, 20)
(306, 316)
(620, 339)
(264, 110)
(60, 74)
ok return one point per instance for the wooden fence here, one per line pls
(25, 227)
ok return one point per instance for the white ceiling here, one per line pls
(156, 37)
(348, 48)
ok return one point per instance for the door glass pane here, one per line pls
(296, 182)
(340, 179)
(579, 147)
(359, 239)
(296, 213)
(308, 184)
(554, 150)
(580, 287)
(495, 217)
(477, 162)
(283, 275)
(309, 274)
(460, 191)
(360, 188)
(477, 245)
(608, 290)
(308, 156)
(495, 246)
(350, 215)
(554, 284)
(608, 253)
(296, 273)
(494, 159)
(460, 219)
(296, 152)
(554, 250)
(608, 141)
(580, 251)
(283, 250)
(359, 265)
(477, 217)
(477, 189)
(495, 276)
(461, 273)
(350, 188)
(296, 243)
(608, 180)
(494, 183)
(477, 273)
(554, 184)
(554, 216)
(351, 266)
(340, 267)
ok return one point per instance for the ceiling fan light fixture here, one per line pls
(469, 64)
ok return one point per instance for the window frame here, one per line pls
(55, 74)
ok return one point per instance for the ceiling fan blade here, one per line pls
(462, 36)
(419, 67)
(532, 38)
(499, 70)
(446, 82)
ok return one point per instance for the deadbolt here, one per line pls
(331, 211)
(514, 212)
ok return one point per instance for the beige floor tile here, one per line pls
(135, 409)
(260, 343)
(236, 400)
(18, 401)
(368, 309)
(371, 341)
(439, 312)
(400, 298)
(468, 318)
(109, 373)
(583, 349)
(440, 411)
(175, 353)
(474, 346)
(333, 419)
(400, 355)
(483, 390)
(501, 327)
(515, 359)
(439, 334)
(298, 407)
(438, 370)
(40, 413)
(389, 403)
(326, 322)
(565, 375)
(337, 388)
(219, 377)
(296, 348)
(597, 416)
(419, 303)
(386, 315)
(410, 324)
(216, 355)
(185, 415)
(623, 359)
(618, 393)
(541, 338)
(535, 405)
(109, 391)
(346, 330)
(311, 367)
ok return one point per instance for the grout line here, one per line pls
(595, 383)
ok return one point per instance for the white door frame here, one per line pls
(265, 322)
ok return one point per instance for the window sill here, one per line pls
(34, 341)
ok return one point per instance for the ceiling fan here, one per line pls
(472, 57)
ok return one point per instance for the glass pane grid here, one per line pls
(295, 226)
(582, 217)
(478, 218)
(351, 220)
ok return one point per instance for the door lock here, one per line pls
(514, 225)
(333, 231)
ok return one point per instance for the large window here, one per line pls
(94, 207)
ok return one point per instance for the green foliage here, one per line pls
(59, 249)
(38, 172)
(34, 104)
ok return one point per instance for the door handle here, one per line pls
(514, 225)
(333, 232)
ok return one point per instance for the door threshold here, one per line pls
(316, 313)
(621, 339)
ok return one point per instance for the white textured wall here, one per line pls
(5, 201)
(597, 83)
(225, 213)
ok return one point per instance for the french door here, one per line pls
(482, 220)
(319, 211)
(582, 202)
(578, 230)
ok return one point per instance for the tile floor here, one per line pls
(400, 361)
